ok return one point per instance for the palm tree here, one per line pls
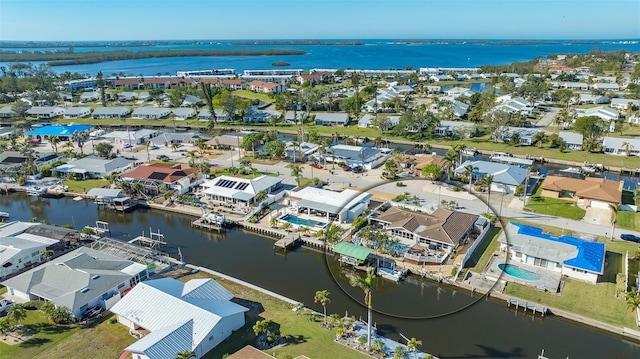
(399, 352)
(296, 170)
(627, 148)
(322, 296)
(261, 196)
(486, 181)
(187, 354)
(459, 149)
(413, 345)
(633, 300)
(16, 313)
(147, 147)
(295, 145)
(137, 188)
(366, 284)
(449, 161)
(468, 171)
(54, 140)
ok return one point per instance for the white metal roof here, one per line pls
(16, 227)
(37, 239)
(166, 342)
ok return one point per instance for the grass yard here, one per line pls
(628, 220)
(254, 95)
(485, 250)
(554, 207)
(76, 186)
(305, 335)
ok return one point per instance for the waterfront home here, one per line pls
(435, 234)
(505, 177)
(622, 104)
(606, 87)
(183, 113)
(7, 112)
(574, 257)
(295, 117)
(266, 87)
(110, 112)
(170, 138)
(179, 176)
(78, 280)
(525, 135)
(605, 113)
(331, 119)
(137, 137)
(105, 195)
(261, 116)
(457, 129)
(150, 113)
(77, 112)
(21, 251)
(300, 152)
(587, 192)
(620, 146)
(587, 98)
(221, 115)
(225, 141)
(194, 316)
(352, 254)
(367, 157)
(45, 112)
(342, 206)
(93, 167)
(366, 121)
(64, 132)
(571, 140)
(240, 191)
(11, 162)
(7, 133)
(89, 96)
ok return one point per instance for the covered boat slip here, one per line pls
(351, 253)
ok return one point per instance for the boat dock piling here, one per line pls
(535, 308)
(202, 223)
(288, 241)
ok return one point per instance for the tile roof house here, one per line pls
(574, 257)
(588, 192)
(193, 316)
(177, 176)
(505, 177)
(78, 280)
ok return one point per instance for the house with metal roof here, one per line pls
(150, 113)
(137, 137)
(352, 253)
(193, 316)
(587, 192)
(169, 138)
(221, 115)
(301, 151)
(258, 115)
(183, 113)
(7, 133)
(571, 140)
(94, 167)
(367, 157)
(623, 103)
(77, 112)
(110, 112)
(620, 146)
(45, 112)
(587, 98)
(331, 119)
(505, 177)
(574, 257)
(235, 190)
(64, 132)
(342, 206)
(366, 121)
(295, 117)
(525, 135)
(606, 86)
(605, 113)
(78, 280)
(20, 251)
(458, 129)
(6, 112)
(89, 96)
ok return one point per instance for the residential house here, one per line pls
(21, 251)
(11, 162)
(575, 86)
(431, 89)
(170, 138)
(587, 192)
(239, 191)
(194, 317)
(137, 137)
(571, 140)
(418, 161)
(81, 84)
(457, 129)
(183, 113)
(343, 206)
(78, 280)
(77, 112)
(458, 91)
(607, 86)
(45, 112)
(129, 82)
(150, 113)
(190, 100)
(221, 115)
(266, 87)
(620, 146)
(94, 167)
(64, 132)
(366, 121)
(225, 141)
(505, 177)
(6, 112)
(7, 133)
(301, 151)
(515, 105)
(623, 103)
(127, 96)
(261, 116)
(89, 96)
(144, 96)
(313, 79)
(295, 117)
(605, 113)
(586, 98)
(367, 157)
(574, 257)
(524, 134)
(331, 119)
(234, 84)
(110, 112)
(179, 176)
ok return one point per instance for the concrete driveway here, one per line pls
(599, 216)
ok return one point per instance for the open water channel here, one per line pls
(415, 308)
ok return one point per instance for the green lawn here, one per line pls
(254, 95)
(485, 250)
(628, 220)
(554, 207)
(76, 186)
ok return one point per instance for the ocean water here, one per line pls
(374, 54)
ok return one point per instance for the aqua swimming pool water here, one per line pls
(515, 271)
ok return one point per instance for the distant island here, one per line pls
(280, 63)
(298, 42)
(60, 58)
(140, 43)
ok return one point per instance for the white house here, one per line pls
(150, 113)
(6, 112)
(622, 103)
(138, 137)
(193, 316)
(574, 257)
(571, 140)
(605, 113)
(515, 105)
(77, 112)
(221, 115)
(235, 190)
(619, 146)
(257, 115)
(89, 96)
(526, 135)
(17, 253)
(607, 87)
(332, 119)
(78, 280)
(461, 129)
(505, 177)
(368, 157)
(342, 206)
(294, 117)
(587, 98)
(266, 87)
(183, 113)
(45, 112)
(110, 112)
(94, 167)
(366, 121)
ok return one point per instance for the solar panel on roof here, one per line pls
(14, 160)
(157, 175)
(242, 186)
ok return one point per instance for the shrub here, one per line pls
(113, 320)
(33, 305)
(399, 184)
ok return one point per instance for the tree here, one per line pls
(366, 284)
(562, 96)
(103, 149)
(591, 129)
(431, 171)
(54, 140)
(16, 313)
(322, 296)
(486, 182)
(533, 89)
(399, 352)
(177, 96)
(275, 148)
(250, 140)
(267, 327)
(382, 123)
(209, 92)
(539, 138)
(627, 148)
(296, 171)
(186, 354)
(101, 86)
(633, 300)
(61, 315)
(333, 234)
(261, 196)
(468, 172)
(413, 344)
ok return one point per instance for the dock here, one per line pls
(535, 308)
(630, 172)
(289, 241)
(202, 223)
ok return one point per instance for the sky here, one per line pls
(87, 20)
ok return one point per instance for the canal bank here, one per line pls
(399, 307)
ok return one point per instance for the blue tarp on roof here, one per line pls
(56, 130)
(590, 254)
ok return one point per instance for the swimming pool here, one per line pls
(293, 219)
(515, 271)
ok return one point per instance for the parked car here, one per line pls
(127, 145)
(357, 169)
(153, 147)
(5, 304)
(346, 168)
(163, 157)
(630, 237)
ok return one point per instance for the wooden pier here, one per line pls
(535, 308)
(633, 172)
(202, 223)
(288, 242)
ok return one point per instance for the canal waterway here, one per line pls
(486, 329)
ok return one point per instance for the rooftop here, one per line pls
(590, 187)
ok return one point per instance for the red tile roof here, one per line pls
(155, 171)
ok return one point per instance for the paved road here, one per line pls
(548, 117)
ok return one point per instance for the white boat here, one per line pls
(392, 274)
(4, 215)
(36, 191)
(78, 198)
(214, 218)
